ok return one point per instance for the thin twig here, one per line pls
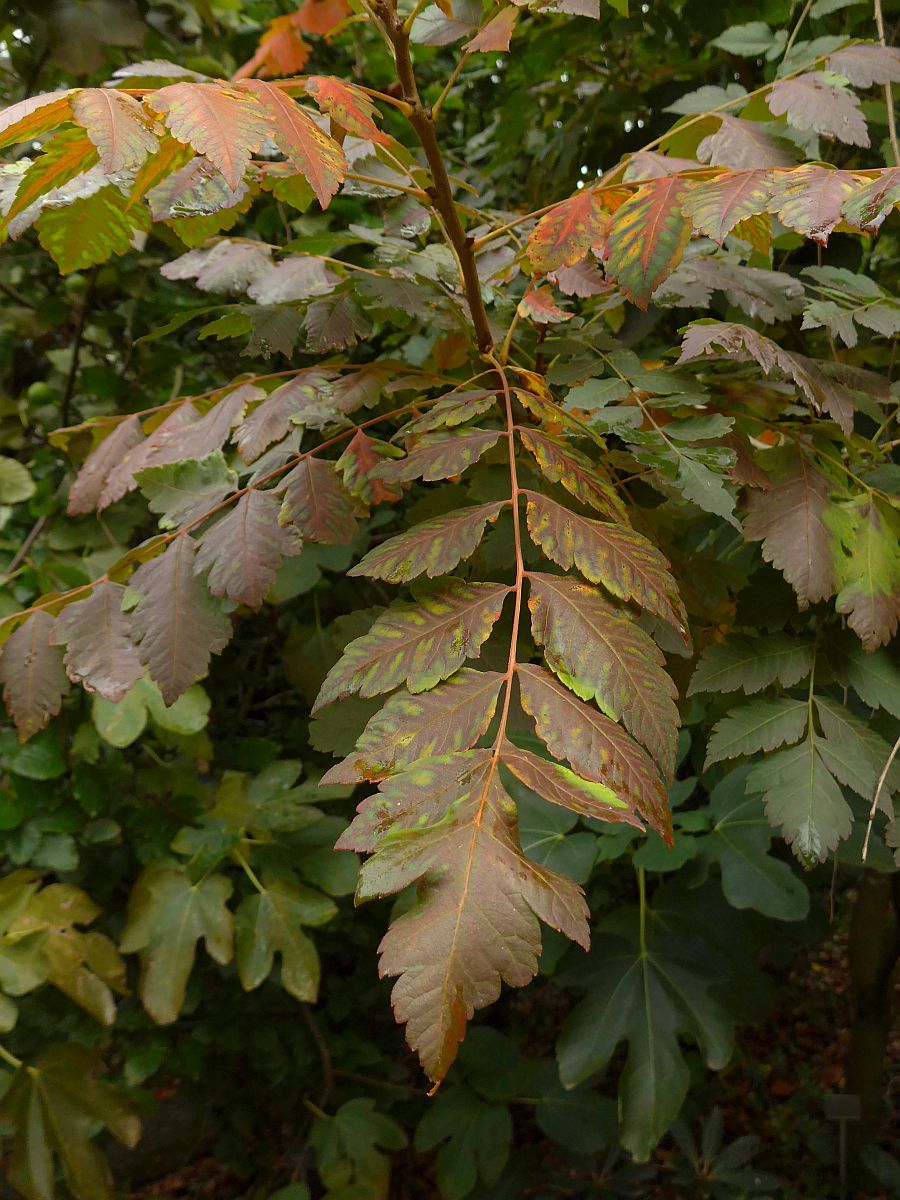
(881, 778)
(888, 91)
(76, 348)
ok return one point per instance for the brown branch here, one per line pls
(441, 193)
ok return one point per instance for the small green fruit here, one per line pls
(40, 392)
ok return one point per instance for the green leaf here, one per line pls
(739, 842)
(418, 643)
(648, 999)
(474, 1138)
(759, 725)
(182, 491)
(854, 753)
(873, 676)
(748, 40)
(749, 664)
(349, 1149)
(271, 922)
(803, 798)
(167, 915)
(54, 1108)
(16, 483)
(90, 229)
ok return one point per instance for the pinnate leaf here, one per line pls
(475, 922)
(31, 671)
(597, 748)
(601, 654)
(99, 652)
(431, 547)
(749, 664)
(790, 521)
(168, 914)
(418, 643)
(564, 464)
(84, 494)
(625, 562)
(451, 717)
(176, 624)
(244, 549)
(558, 785)
(868, 570)
(317, 504)
(439, 455)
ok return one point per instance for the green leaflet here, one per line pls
(749, 664)
(648, 1000)
(874, 677)
(759, 725)
(474, 1135)
(269, 923)
(561, 463)
(417, 643)
(349, 1149)
(167, 915)
(54, 1107)
(854, 753)
(739, 842)
(182, 491)
(803, 798)
(431, 548)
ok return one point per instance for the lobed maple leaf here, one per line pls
(417, 643)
